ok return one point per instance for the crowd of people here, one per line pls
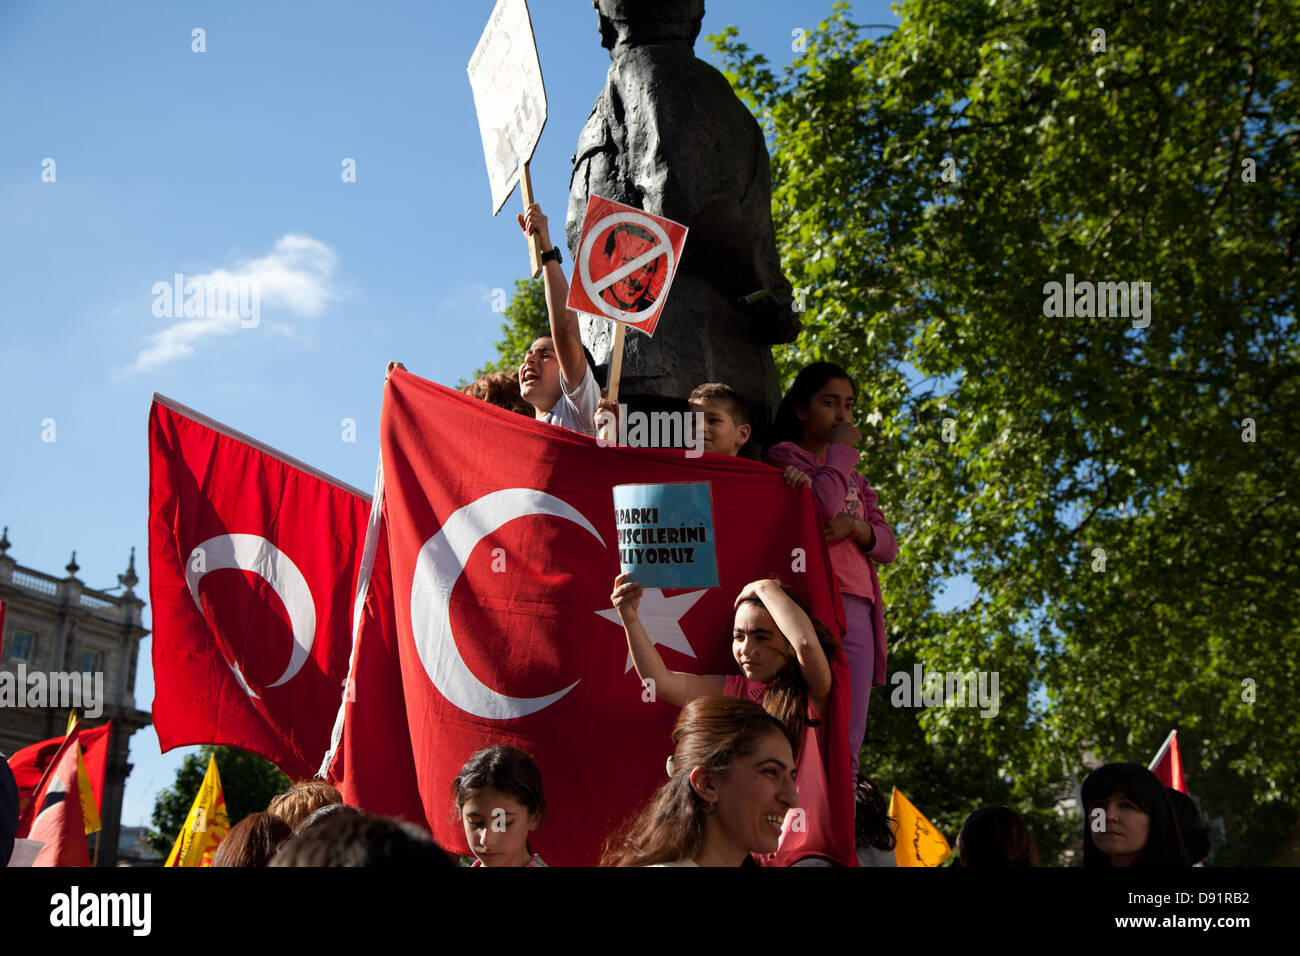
(742, 740)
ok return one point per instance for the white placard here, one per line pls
(506, 78)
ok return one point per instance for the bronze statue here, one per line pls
(669, 136)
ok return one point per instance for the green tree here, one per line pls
(248, 783)
(526, 319)
(1120, 490)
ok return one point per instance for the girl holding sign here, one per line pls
(814, 434)
(783, 655)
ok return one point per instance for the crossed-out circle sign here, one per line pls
(626, 262)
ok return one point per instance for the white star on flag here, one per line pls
(661, 617)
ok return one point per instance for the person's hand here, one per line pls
(532, 221)
(755, 589)
(839, 527)
(627, 596)
(795, 478)
(846, 434)
(864, 534)
(391, 367)
(606, 414)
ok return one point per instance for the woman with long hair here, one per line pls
(1128, 819)
(731, 782)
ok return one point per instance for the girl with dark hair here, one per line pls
(783, 655)
(873, 826)
(731, 783)
(1128, 819)
(499, 800)
(995, 838)
(814, 435)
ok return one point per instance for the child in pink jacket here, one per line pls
(815, 442)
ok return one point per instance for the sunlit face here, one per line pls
(539, 375)
(830, 405)
(755, 794)
(627, 291)
(1127, 828)
(757, 643)
(722, 435)
(497, 828)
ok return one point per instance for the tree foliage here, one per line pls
(525, 319)
(1134, 553)
(248, 783)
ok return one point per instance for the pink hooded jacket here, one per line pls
(839, 488)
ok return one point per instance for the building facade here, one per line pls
(58, 625)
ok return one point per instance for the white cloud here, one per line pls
(292, 280)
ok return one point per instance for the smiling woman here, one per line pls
(731, 782)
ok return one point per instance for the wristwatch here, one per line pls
(553, 253)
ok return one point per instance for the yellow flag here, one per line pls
(89, 810)
(918, 842)
(205, 826)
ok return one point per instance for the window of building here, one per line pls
(91, 662)
(24, 646)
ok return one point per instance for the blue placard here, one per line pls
(665, 534)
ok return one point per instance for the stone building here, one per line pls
(58, 625)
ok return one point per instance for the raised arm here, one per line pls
(798, 629)
(675, 687)
(565, 332)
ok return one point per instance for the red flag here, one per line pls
(504, 552)
(1168, 764)
(55, 814)
(30, 764)
(370, 759)
(252, 562)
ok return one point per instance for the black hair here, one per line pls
(995, 837)
(1196, 835)
(626, 227)
(359, 839)
(1164, 846)
(872, 824)
(810, 380)
(506, 769)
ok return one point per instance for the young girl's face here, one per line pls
(758, 645)
(830, 405)
(497, 828)
(1126, 828)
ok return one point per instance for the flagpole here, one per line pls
(1164, 748)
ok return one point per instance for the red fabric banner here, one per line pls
(1168, 764)
(252, 563)
(30, 764)
(55, 813)
(503, 553)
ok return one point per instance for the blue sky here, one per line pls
(228, 162)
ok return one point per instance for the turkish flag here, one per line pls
(503, 553)
(370, 760)
(252, 563)
(55, 813)
(30, 764)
